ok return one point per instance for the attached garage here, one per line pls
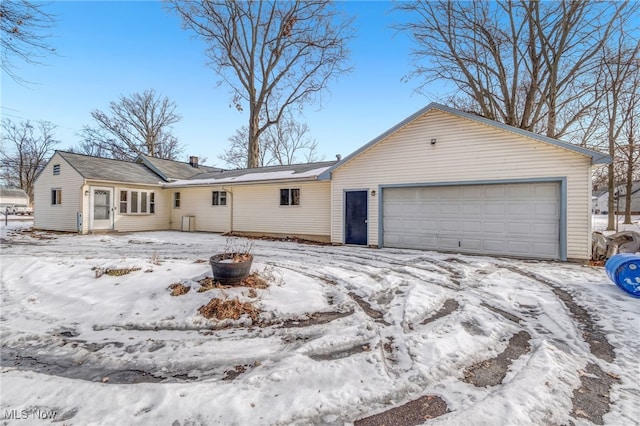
(447, 180)
(513, 219)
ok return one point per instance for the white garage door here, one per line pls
(520, 219)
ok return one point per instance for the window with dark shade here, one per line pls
(123, 201)
(290, 197)
(152, 202)
(56, 196)
(219, 198)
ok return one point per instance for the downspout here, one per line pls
(228, 190)
(80, 215)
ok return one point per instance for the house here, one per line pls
(601, 199)
(81, 193)
(11, 197)
(441, 179)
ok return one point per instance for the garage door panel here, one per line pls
(520, 219)
(494, 209)
(519, 228)
(493, 227)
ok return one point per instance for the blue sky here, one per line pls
(108, 49)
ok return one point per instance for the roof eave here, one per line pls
(244, 182)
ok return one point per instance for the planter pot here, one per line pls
(230, 268)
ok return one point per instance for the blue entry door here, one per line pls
(356, 217)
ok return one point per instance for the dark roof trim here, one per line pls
(596, 157)
(143, 159)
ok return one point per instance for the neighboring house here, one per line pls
(12, 198)
(601, 199)
(439, 180)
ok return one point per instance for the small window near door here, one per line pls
(176, 200)
(219, 198)
(143, 202)
(290, 197)
(134, 202)
(56, 196)
(123, 202)
(56, 169)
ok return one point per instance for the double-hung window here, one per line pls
(219, 198)
(56, 196)
(290, 197)
(137, 202)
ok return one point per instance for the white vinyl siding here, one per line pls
(197, 202)
(60, 217)
(257, 209)
(465, 151)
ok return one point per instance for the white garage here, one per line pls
(448, 180)
(512, 219)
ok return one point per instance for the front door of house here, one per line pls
(355, 219)
(101, 208)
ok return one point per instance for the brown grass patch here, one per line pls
(252, 281)
(179, 289)
(114, 272)
(222, 309)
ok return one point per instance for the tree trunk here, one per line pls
(629, 188)
(611, 186)
(253, 159)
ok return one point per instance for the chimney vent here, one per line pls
(193, 160)
(338, 157)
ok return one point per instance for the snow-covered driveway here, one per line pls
(345, 333)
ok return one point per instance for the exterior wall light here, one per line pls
(433, 141)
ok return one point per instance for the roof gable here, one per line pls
(595, 156)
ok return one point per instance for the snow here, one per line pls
(87, 332)
(252, 177)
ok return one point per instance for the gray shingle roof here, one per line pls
(110, 170)
(295, 168)
(12, 192)
(173, 170)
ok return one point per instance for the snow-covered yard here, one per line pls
(344, 334)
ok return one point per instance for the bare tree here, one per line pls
(26, 148)
(287, 142)
(137, 124)
(275, 55)
(528, 64)
(24, 30)
(238, 152)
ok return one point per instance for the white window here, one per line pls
(56, 196)
(176, 200)
(137, 202)
(290, 197)
(219, 198)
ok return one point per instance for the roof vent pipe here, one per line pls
(193, 160)
(338, 157)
